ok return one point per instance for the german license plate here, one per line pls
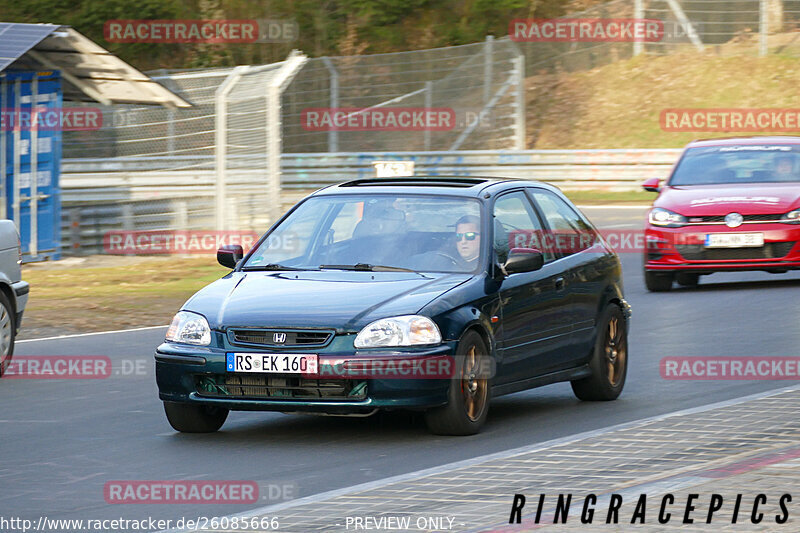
(734, 240)
(272, 363)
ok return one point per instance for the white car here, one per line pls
(13, 291)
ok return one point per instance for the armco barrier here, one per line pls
(163, 193)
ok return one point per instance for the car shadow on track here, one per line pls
(506, 415)
(740, 285)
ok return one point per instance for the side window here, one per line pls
(568, 233)
(516, 226)
(285, 245)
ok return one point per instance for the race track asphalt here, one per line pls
(62, 440)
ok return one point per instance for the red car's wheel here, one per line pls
(658, 281)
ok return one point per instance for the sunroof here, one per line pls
(432, 181)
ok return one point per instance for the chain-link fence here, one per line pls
(216, 164)
(481, 83)
(729, 27)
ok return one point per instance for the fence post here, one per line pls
(169, 83)
(3, 164)
(333, 135)
(428, 105)
(33, 158)
(127, 217)
(181, 215)
(763, 27)
(519, 118)
(638, 13)
(291, 67)
(488, 52)
(75, 229)
(221, 142)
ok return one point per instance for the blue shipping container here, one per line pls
(25, 150)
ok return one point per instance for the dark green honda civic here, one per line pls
(429, 293)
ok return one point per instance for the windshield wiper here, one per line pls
(366, 267)
(270, 266)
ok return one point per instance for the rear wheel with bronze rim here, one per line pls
(609, 362)
(468, 397)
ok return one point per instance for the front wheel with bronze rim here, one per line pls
(468, 397)
(609, 362)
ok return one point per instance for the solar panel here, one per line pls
(17, 38)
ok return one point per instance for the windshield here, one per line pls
(365, 232)
(738, 164)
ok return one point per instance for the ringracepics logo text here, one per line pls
(604, 509)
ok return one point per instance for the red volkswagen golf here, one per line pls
(729, 205)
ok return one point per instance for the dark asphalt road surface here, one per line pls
(61, 441)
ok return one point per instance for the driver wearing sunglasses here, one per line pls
(468, 239)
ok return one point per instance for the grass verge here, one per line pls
(99, 293)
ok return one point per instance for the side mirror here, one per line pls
(230, 254)
(523, 260)
(652, 185)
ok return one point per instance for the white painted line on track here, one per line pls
(93, 333)
(314, 498)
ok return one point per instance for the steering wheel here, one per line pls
(453, 262)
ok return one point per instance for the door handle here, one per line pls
(559, 284)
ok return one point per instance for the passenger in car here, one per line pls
(468, 240)
(784, 169)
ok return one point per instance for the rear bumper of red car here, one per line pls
(683, 249)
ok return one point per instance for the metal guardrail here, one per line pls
(587, 169)
(99, 195)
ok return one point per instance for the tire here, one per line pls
(609, 361)
(687, 279)
(8, 333)
(468, 399)
(190, 418)
(658, 281)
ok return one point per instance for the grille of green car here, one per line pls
(279, 387)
